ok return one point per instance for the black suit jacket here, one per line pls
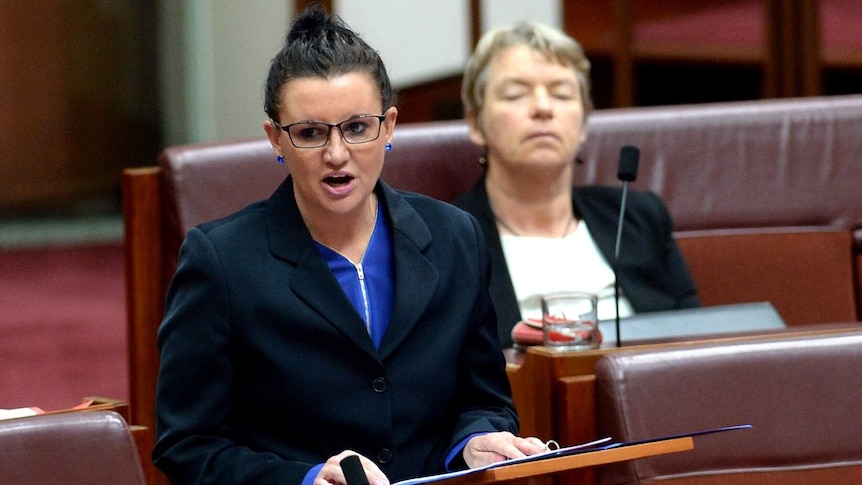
(267, 369)
(653, 273)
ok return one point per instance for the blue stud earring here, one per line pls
(280, 159)
(388, 147)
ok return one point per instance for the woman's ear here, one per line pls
(389, 123)
(477, 136)
(273, 134)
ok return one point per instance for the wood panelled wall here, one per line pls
(78, 102)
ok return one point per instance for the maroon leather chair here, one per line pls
(79, 448)
(801, 395)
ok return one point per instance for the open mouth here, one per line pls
(337, 180)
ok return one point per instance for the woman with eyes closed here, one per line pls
(338, 317)
(526, 98)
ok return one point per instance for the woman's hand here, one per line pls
(493, 447)
(331, 473)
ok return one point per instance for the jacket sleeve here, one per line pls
(485, 400)
(196, 374)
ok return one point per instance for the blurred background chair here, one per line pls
(69, 449)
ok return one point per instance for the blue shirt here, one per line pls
(369, 284)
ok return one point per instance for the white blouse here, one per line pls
(539, 266)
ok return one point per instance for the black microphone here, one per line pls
(627, 173)
(354, 474)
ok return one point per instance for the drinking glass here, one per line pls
(569, 321)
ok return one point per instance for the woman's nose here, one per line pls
(542, 106)
(336, 151)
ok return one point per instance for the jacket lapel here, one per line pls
(415, 276)
(313, 282)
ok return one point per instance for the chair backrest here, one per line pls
(801, 395)
(764, 163)
(69, 449)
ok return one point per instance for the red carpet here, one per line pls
(62, 326)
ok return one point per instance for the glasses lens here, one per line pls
(360, 130)
(308, 135)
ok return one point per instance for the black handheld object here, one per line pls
(628, 172)
(354, 474)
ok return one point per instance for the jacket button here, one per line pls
(384, 456)
(379, 384)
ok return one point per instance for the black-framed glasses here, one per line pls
(315, 134)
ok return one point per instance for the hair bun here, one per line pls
(309, 25)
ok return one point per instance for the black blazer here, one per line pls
(652, 273)
(267, 369)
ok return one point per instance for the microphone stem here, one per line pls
(617, 263)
